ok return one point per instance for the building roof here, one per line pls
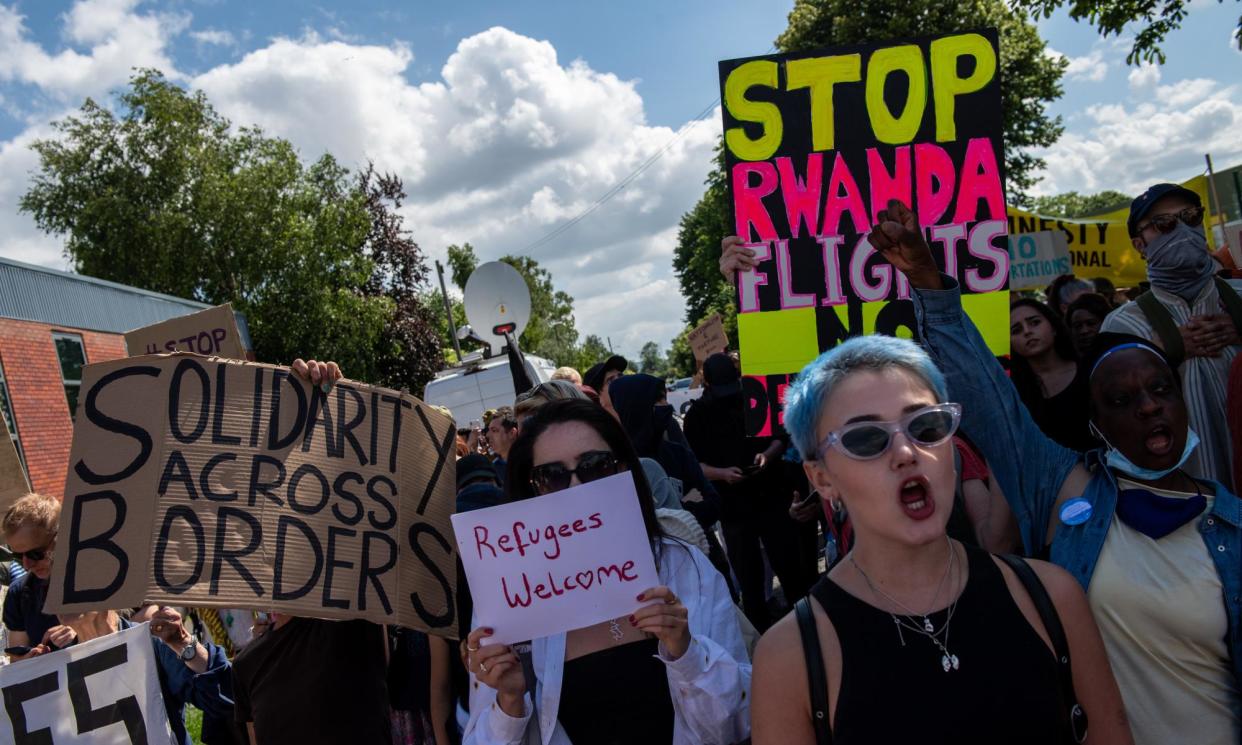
(43, 295)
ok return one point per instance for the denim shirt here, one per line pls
(1031, 468)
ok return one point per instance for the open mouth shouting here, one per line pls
(916, 498)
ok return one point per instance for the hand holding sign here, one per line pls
(498, 667)
(668, 621)
(897, 237)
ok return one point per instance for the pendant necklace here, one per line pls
(948, 660)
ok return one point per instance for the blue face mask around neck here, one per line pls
(1120, 462)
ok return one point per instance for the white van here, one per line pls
(480, 384)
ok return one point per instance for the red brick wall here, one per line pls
(37, 394)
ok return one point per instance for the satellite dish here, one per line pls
(497, 300)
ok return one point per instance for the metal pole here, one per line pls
(448, 310)
(609, 338)
(1234, 251)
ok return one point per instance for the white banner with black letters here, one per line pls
(102, 692)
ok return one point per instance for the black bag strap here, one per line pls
(1165, 327)
(1232, 302)
(1056, 633)
(817, 680)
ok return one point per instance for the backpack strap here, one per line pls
(1165, 327)
(817, 680)
(1056, 634)
(1232, 302)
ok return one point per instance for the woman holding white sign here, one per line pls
(675, 671)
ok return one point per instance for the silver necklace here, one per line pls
(927, 624)
(948, 660)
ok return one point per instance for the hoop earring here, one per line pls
(836, 505)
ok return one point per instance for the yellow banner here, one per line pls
(1100, 245)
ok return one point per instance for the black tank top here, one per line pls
(1004, 691)
(617, 696)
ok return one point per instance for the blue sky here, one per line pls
(506, 119)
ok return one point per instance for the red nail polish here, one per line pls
(642, 596)
(633, 622)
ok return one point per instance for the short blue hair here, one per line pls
(804, 400)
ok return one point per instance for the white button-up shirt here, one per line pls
(709, 684)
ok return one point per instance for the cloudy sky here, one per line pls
(508, 119)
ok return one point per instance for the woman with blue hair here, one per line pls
(948, 628)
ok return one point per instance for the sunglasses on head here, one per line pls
(592, 466)
(1191, 216)
(34, 554)
(927, 427)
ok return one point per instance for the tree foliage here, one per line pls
(1073, 204)
(166, 196)
(1156, 18)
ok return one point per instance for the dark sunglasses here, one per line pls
(927, 427)
(592, 466)
(34, 554)
(1191, 216)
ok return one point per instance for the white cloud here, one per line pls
(504, 146)
(1160, 134)
(1092, 67)
(214, 37)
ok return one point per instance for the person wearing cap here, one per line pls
(601, 374)
(1157, 549)
(477, 485)
(1187, 309)
(754, 508)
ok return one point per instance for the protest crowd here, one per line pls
(936, 545)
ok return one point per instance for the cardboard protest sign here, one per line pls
(1035, 259)
(13, 482)
(211, 332)
(708, 338)
(816, 143)
(563, 561)
(207, 482)
(102, 692)
(1099, 246)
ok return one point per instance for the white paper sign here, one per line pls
(564, 561)
(102, 692)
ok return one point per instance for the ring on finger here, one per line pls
(483, 666)
(471, 649)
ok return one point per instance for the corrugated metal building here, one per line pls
(51, 324)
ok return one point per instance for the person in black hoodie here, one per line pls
(754, 500)
(640, 403)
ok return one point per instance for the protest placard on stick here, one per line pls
(208, 482)
(1035, 259)
(211, 332)
(816, 144)
(13, 482)
(562, 561)
(102, 692)
(708, 338)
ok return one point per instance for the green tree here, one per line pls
(1031, 79)
(681, 360)
(652, 361)
(1073, 204)
(166, 196)
(1111, 17)
(462, 263)
(593, 350)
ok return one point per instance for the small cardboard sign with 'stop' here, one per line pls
(708, 338)
(563, 561)
(211, 332)
(102, 692)
(205, 482)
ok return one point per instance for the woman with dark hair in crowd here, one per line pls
(1064, 290)
(1044, 368)
(1084, 317)
(1157, 550)
(674, 672)
(950, 628)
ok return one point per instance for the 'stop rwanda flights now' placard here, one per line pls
(816, 143)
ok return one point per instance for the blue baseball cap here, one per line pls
(1143, 202)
